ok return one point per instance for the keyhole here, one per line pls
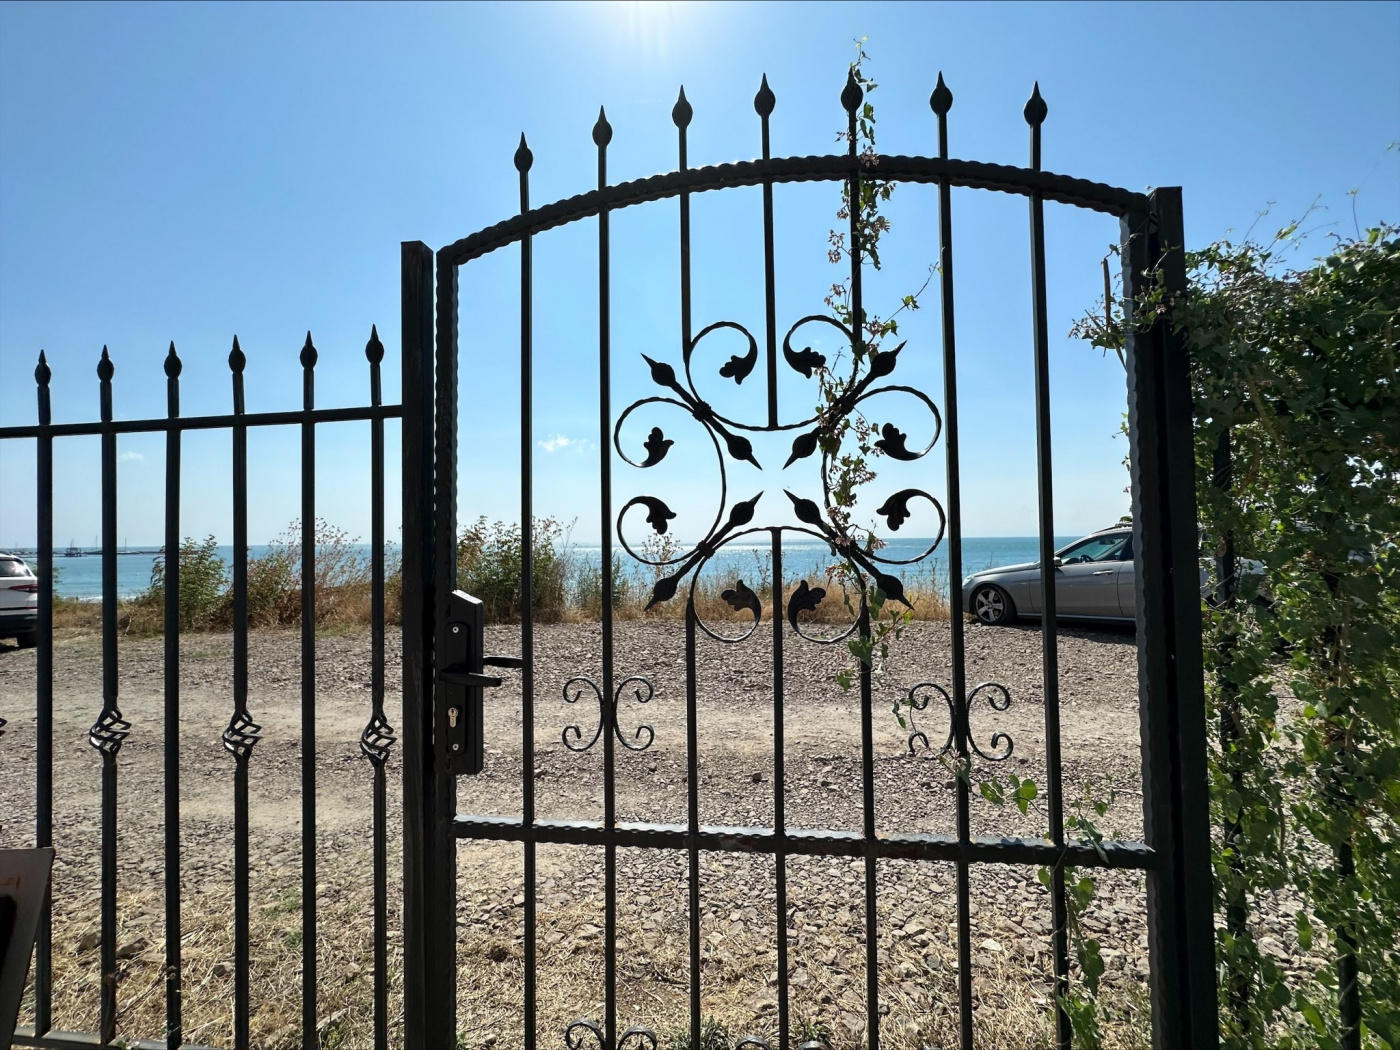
(452, 717)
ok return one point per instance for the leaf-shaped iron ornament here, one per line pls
(658, 514)
(806, 360)
(803, 599)
(740, 597)
(657, 445)
(882, 363)
(742, 513)
(805, 509)
(892, 443)
(895, 510)
(665, 588)
(802, 446)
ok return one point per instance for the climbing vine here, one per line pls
(848, 439)
(1298, 466)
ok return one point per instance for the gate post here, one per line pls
(1176, 804)
(429, 949)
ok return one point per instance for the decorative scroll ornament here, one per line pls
(377, 738)
(998, 698)
(632, 1039)
(241, 734)
(108, 732)
(725, 433)
(642, 692)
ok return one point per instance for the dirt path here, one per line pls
(825, 923)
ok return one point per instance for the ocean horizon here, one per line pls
(80, 577)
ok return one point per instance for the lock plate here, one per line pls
(460, 684)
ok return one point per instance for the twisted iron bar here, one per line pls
(241, 735)
(959, 719)
(108, 732)
(607, 713)
(377, 738)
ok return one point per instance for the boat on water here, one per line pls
(73, 551)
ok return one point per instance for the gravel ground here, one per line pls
(825, 924)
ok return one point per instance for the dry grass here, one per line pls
(919, 987)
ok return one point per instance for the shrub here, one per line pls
(489, 567)
(203, 578)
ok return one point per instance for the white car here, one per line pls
(19, 601)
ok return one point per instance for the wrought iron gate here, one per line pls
(444, 656)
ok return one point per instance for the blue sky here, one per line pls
(188, 172)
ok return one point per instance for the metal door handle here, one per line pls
(1102, 572)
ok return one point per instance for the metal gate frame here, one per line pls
(1176, 855)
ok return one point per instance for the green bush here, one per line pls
(202, 583)
(489, 559)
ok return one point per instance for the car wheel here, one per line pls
(993, 606)
(27, 641)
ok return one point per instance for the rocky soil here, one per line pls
(825, 924)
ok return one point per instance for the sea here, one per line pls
(80, 577)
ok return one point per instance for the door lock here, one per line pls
(461, 681)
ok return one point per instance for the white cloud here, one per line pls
(127, 457)
(563, 441)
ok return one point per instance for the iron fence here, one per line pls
(242, 733)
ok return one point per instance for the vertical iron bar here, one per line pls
(236, 737)
(421, 1007)
(107, 1024)
(602, 135)
(440, 784)
(763, 103)
(850, 99)
(681, 114)
(173, 1026)
(374, 351)
(524, 159)
(1035, 113)
(1181, 936)
(941, 101)
(779, 791)
(310, 1036)
(43, 686)
(692, 792)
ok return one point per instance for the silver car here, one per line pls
(1094, 580)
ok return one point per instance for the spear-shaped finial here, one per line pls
(523, 157)
(173, 366)
(1036, 109)
(105, 368)
(851, 94)
(236, 360)
(42, 375)
(764, 101)
(681, 111)
(942, 99)
(308, 353)
(602, 131)
(374, 349)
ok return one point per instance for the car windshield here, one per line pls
(13, 567)
(1113, 547)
